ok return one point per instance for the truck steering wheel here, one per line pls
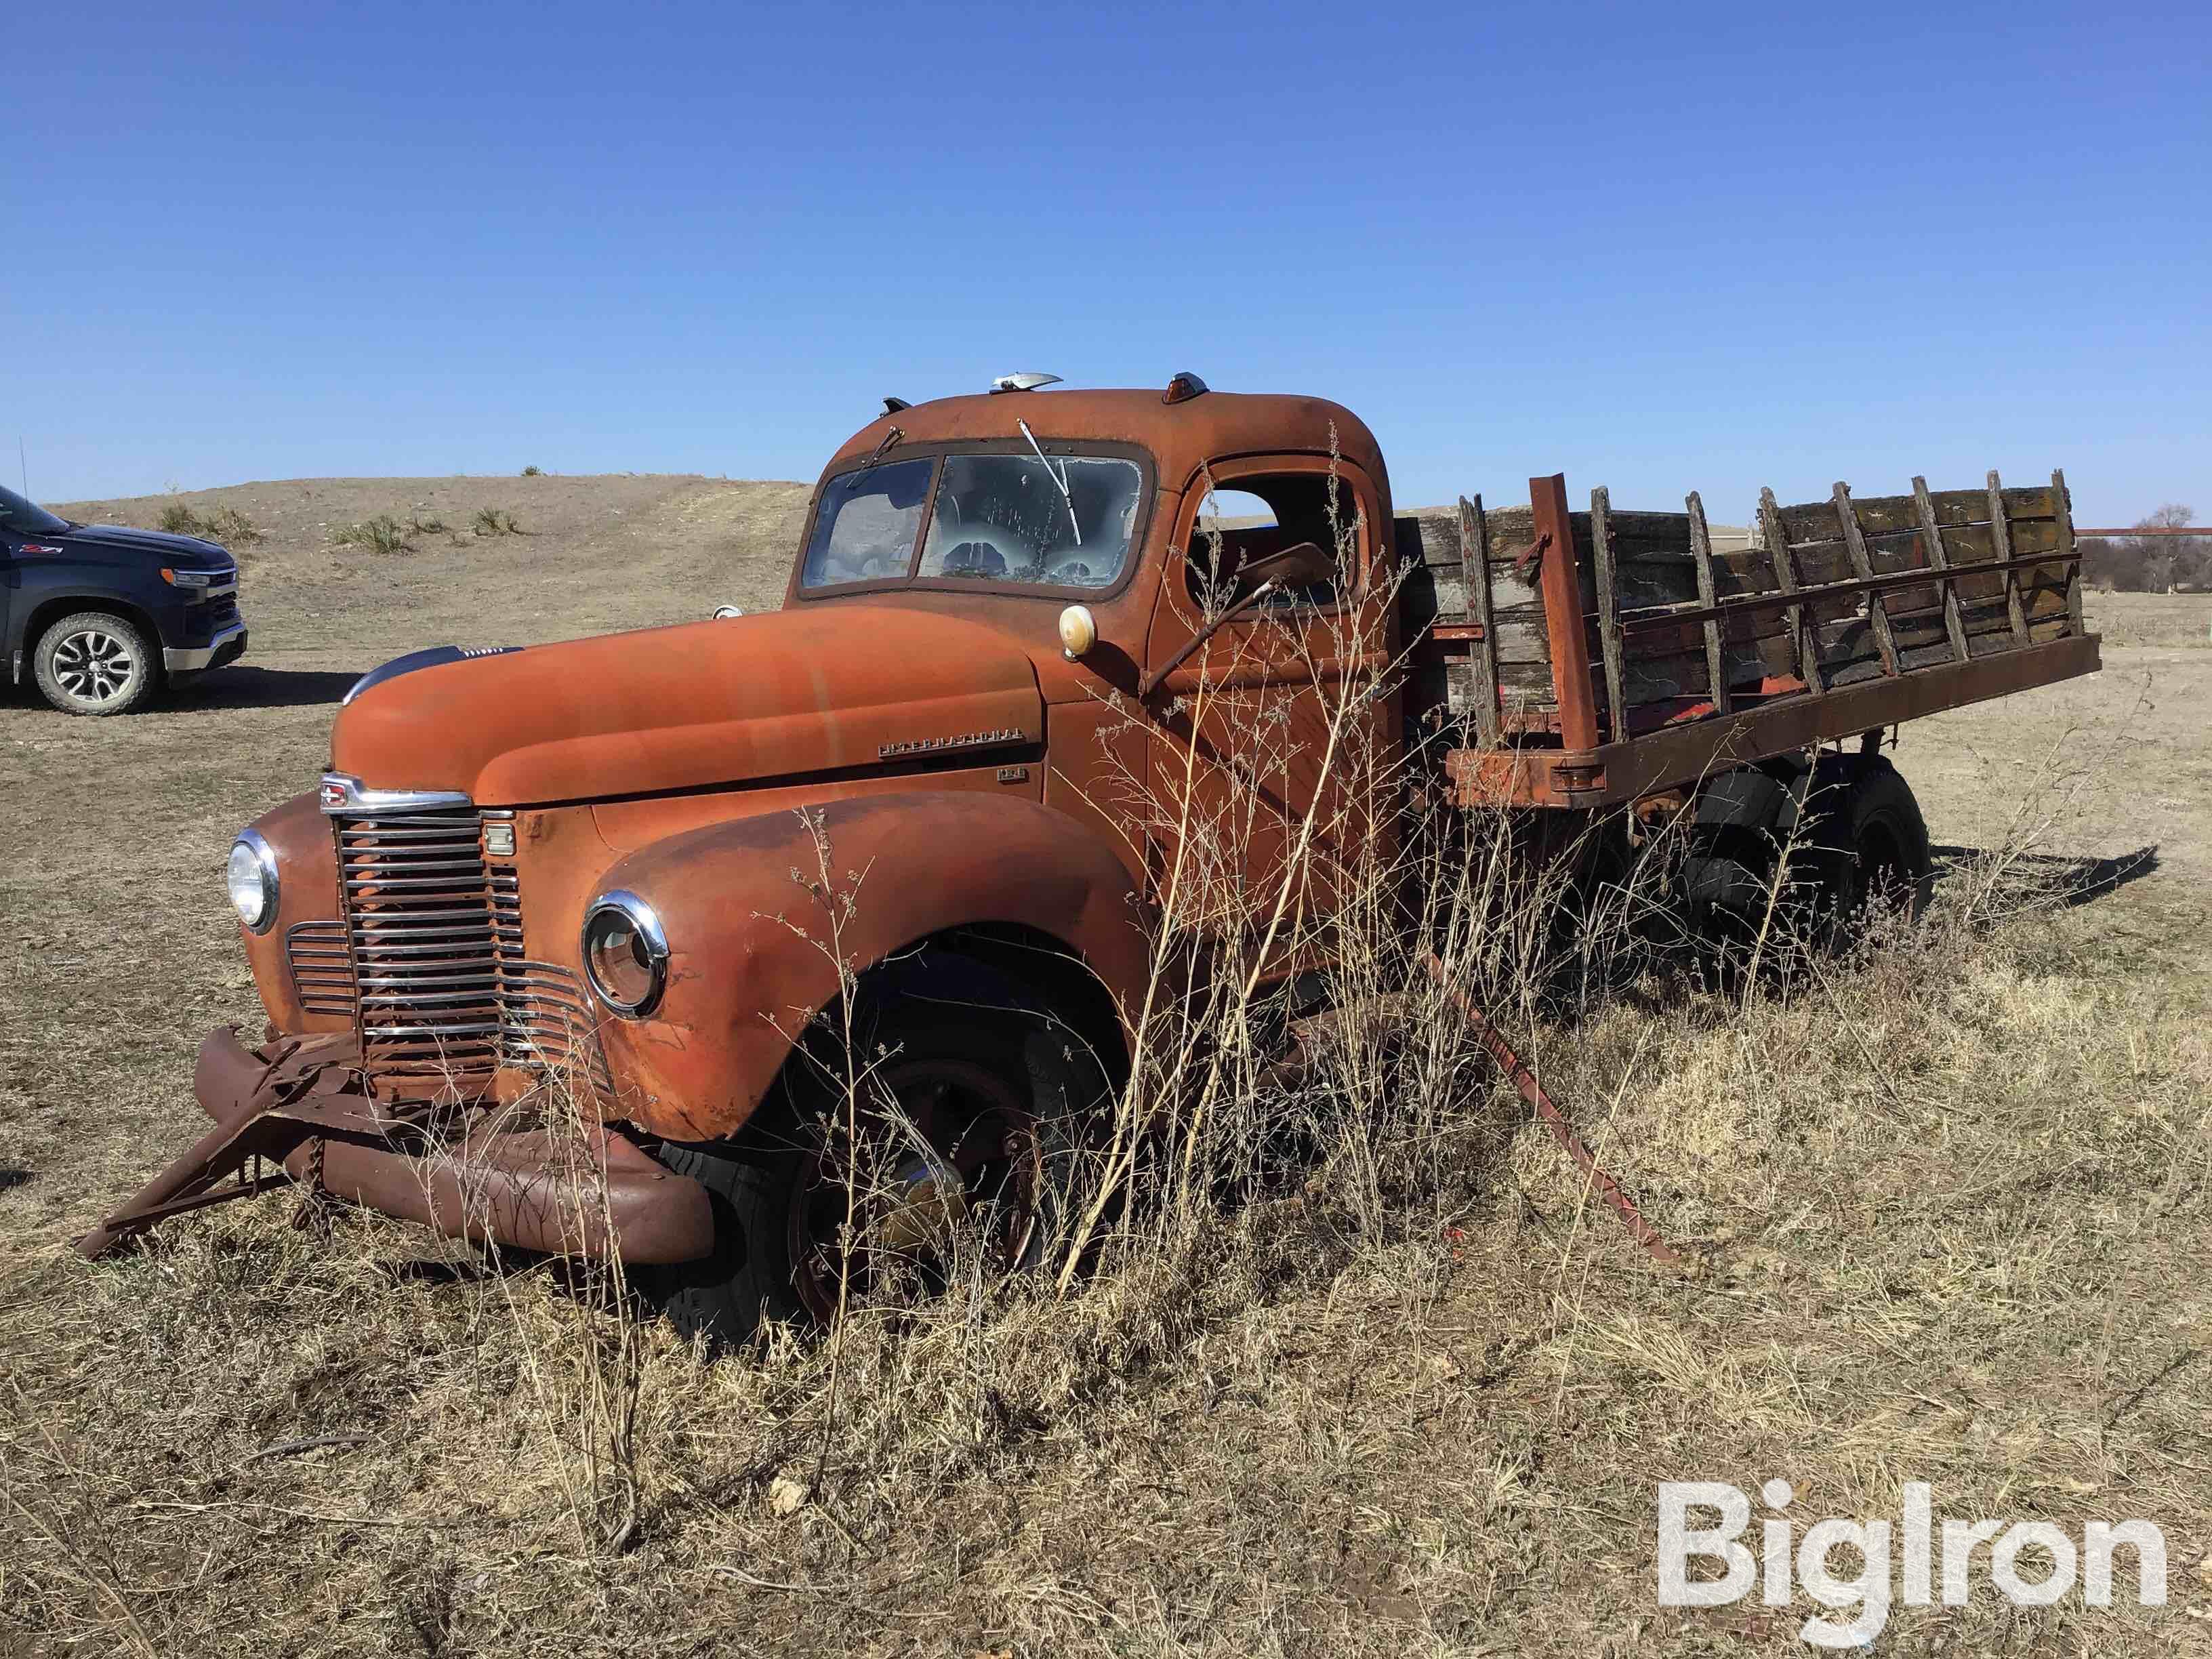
(1070, 569)
(1009, 549)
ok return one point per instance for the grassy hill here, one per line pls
(587, 555)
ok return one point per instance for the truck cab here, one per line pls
(99, 617)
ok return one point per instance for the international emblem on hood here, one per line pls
(964, 740)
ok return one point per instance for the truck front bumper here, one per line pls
(226, 646)
(304, 1104)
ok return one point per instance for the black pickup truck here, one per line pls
(100, 617)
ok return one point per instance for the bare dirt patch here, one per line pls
(1972, 1245)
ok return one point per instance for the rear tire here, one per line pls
(94, 662)
(997, 1086)
(1877, 851)
(1743, 821)
(1863, 842)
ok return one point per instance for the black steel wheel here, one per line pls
(894, 1202)
(94, 662)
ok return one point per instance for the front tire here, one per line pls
(95, 663)
(993, 1083)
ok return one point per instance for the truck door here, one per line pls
(1272, 750)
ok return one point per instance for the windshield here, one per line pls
(1061, 522)
(865, 532)
(26, 518)
(1015, 518)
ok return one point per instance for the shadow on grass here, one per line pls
(248, 687)
(2075, 881)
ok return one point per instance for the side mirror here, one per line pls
(1302, 564)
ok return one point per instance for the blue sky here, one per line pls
(1657, 246)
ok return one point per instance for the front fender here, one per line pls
(754, 936)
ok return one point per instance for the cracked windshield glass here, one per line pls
(1061, 521)
(1027, 520)
(865, 532)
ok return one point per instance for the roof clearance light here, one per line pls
(1022, 382)
(1182, 387)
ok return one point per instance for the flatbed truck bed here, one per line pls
(1569, 659)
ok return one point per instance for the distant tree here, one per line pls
(2169, 561)
(2151, 564)
(2107, 564)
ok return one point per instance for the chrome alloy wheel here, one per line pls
(94, 665)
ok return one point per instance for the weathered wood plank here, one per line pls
(1812, 521)
(1475, 545)
(1608, 613)
(1931, 532)
(1701, 550)
(2063, 510)
(1863, 565)
(1785, 577)
(2001, 537)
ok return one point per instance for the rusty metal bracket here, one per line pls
(1526, 561)
(1554, 1119)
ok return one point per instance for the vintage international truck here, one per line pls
(625, 860)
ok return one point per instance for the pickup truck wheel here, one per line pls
(94, 662)
(988, 1083)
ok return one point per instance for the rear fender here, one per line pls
(755, 931)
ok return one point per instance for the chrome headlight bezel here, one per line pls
(262, 866)
(619, 924)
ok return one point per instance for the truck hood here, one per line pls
(776, 696)
(186, 552)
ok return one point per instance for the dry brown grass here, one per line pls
(1356, 1367)
(2166, 621)
(1326, 1424)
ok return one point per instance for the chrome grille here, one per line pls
(550, 1025)
(322, 969)
(435, 934)
(419, 923)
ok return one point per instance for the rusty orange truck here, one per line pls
(1009, 612)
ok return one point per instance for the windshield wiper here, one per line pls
(1058, 478)
(877, 453)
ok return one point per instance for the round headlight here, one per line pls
(625, 953)
(251, 878)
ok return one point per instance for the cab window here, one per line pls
(1239, 523)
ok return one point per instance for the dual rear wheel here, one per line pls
(1787, 855)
